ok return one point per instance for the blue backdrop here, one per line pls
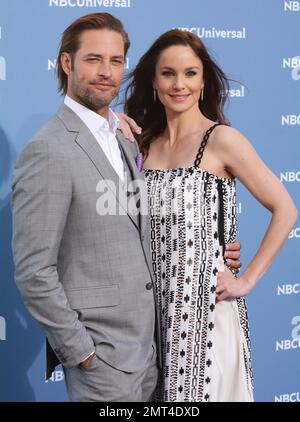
(255, 42)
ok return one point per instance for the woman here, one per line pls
(191, 160)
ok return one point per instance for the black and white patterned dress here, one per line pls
(206, 353)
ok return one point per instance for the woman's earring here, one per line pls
(154, 94)
(202, 94)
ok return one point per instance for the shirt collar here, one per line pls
(93, 120)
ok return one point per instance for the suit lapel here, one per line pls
(125, 147)
(133, 211)
(139, 178)
(90, 146)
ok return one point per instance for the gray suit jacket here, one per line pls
(86, 277)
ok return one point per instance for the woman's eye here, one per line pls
(191, 73)
(167, 73)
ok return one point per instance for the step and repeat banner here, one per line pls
(257, 44)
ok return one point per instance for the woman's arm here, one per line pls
(242, 161)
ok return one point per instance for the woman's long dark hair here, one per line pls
(150, 114)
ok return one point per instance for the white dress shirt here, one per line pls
(104, 132)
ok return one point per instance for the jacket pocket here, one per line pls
(94, 297)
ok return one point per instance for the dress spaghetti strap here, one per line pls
(203, 145)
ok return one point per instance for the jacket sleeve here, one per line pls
(42, 194)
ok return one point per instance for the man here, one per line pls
(85, 273)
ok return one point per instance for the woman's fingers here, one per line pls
(128, 126)
(221, 297)
(232, 254)
(126, 131)
(236, 264)
(133, 125)
(234, 246)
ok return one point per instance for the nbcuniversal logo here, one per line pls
(292, 63)
(2, 63)
(290, 176)
(290, 120)
(288, 289)
(2, 328)
(294, 341)
(57, 376)
(288, 397)
(295, 233)
(291, 6)
(2, 68)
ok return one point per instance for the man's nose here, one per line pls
(104, 69)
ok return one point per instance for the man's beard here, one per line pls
(88, 98)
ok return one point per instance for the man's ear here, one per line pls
(66, 62)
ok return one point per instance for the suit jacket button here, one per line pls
(149, 286)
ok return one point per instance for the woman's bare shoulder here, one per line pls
(227, 137)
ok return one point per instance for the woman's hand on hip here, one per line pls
(229, 286)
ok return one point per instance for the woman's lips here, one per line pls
(179, 98)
